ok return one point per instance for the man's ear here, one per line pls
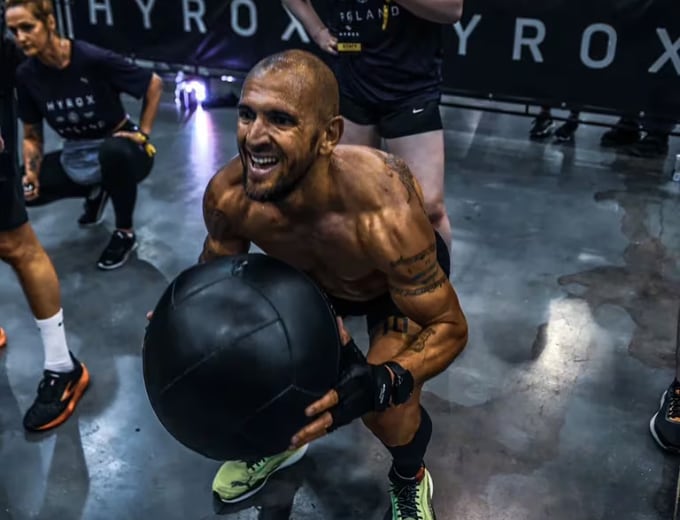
(51, 24)
(332, 134)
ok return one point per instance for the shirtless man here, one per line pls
(353, 218)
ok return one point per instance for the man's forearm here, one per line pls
(438, 11)
(433, 350)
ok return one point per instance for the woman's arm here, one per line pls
(316, 29)
(33, 154)
(150, 104)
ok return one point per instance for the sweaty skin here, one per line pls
(352, 217)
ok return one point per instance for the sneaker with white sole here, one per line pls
(117, 252)
(238, 480)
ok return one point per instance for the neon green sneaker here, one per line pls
(237, 480)
(412, 500)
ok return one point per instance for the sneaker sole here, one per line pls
(119, 264)
(431, 485)
(82, 385)
(289, 462)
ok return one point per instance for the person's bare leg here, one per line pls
(366, 135)
(21, 249)
(424, 155)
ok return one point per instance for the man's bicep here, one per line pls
(417, 282)
(423, 293)
(223, 231)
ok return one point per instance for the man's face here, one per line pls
(30, 33)
(278, 134)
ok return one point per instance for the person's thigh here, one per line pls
(415, 134)
(360, 123)
(12, 207)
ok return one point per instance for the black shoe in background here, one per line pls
(118, 250)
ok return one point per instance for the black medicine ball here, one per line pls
(236, 349)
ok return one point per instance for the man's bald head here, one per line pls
(310, 78)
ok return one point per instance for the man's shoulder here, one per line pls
(379, 177)
(225, 187)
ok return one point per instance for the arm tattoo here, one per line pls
(397, 324)
(423, 289)
(410, 260)
(398, 165)
(426, 275)
(419, 344)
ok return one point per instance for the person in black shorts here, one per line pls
(388, 59)
(64, 378)
(75, 87)
(293, 179)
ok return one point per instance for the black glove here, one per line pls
(350, 355)
(362, 387)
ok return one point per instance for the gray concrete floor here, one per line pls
(566, 263)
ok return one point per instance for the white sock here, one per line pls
(57, 357)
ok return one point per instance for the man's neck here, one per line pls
(315, 195)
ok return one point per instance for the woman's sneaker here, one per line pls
(117, 252)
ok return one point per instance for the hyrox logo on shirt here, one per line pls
(72, 115)
(70, 103)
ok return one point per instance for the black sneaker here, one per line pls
(541, 127)
(118, 251)
(58, 394)
(650, 146)
(625, 133)
(665, 425)
(411, 499)
(93, 209)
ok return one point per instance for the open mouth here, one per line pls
(262, 165)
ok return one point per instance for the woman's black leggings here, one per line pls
(123, 164)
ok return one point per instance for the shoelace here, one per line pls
(674, 404)
(256, 465)
(47, 389)
(407, 501)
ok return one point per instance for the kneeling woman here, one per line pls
(75, 87)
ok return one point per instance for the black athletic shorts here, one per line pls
(12, 207)
(379, 309)
(410, 118)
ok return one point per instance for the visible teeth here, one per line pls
(262, 161)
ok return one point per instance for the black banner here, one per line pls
(618, 56)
